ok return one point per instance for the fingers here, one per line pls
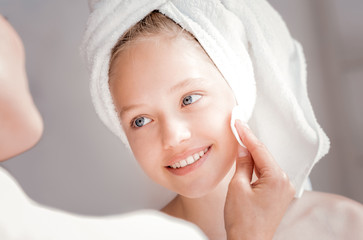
(240, 183)
(265, 165)
(244, 165)
(262, 158)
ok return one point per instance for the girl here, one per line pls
(167, 97)
(174, 113)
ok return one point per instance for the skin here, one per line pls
(217, 196)
(20, 121)
(175, 128)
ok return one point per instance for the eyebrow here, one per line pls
(128, 108)
(183, 84)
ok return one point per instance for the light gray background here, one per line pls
(80, 167)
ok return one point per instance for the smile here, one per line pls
(189, 160)
(190, 163)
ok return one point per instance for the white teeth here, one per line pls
(183, 163)
(189, 160)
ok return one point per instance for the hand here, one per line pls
(254, 211)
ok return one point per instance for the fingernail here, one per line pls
(242, 152)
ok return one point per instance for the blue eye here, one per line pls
(191, 99)
(140, 121)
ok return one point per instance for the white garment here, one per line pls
(21, 218)
(252, 48)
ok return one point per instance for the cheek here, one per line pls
(148, 155)
(213, 122)
(217, 115)
(218, 118)
(142, 148)
(148, 158)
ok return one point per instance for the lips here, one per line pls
(189, 161)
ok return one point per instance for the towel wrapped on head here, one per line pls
(250, 45)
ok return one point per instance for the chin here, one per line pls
(199, 191)
(194, 195)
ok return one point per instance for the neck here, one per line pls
(207, 212)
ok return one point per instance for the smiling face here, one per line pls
(175, 109)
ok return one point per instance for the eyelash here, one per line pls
(132, 123)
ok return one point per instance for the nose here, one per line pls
(174, 132)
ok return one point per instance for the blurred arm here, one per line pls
(21, 125)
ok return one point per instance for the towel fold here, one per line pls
(250, 45)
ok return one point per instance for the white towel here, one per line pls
(252, 48)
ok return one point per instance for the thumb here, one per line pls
(244, 164)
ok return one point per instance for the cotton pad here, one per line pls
(238, 113)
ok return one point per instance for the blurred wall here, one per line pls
(79, 166)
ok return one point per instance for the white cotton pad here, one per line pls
(238, 113)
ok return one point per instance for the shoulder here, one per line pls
(318, 215)
(331, 204)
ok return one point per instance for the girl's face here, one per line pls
(175, 109)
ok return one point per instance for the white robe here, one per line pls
(22, 218)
